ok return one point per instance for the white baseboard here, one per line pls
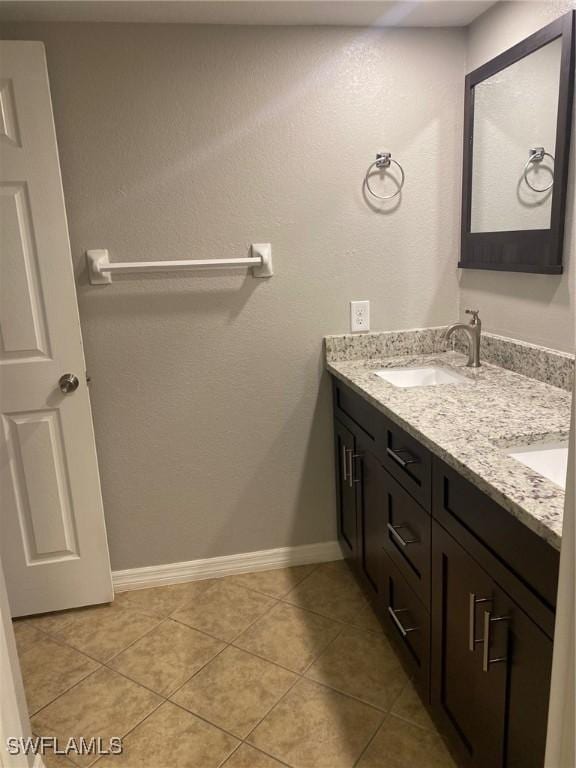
(229, 565)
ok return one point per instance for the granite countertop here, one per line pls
(467, 425)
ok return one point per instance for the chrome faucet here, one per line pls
(473, 330)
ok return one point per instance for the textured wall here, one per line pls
(536, 308)
(211, 412)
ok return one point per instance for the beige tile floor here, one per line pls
(278, 668)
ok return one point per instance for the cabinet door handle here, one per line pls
(344, 475)
(350, 478)
(352, 458)
(400, 539)
(403, 630)
(472, 641)
(488, 621)
(402, 456)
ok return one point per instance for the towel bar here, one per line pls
(100, 268)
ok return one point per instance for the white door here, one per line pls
(52, 533)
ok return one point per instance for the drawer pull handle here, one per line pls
(403, 630)
(488, 621)
(400, 539)
(473, 602)
(402, 456)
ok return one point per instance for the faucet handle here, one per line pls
(474, 312)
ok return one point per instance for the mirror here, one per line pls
(515, 113)
(517, 136)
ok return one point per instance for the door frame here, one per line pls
(14, 721)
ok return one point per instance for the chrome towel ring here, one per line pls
(536, 156)
(384, 160)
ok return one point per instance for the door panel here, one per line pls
(346, 490)
(22, 315)
(41, 485)
(53, 541)
(469, 701)
(529, 663)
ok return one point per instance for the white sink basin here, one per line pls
(429, 376)
(549, 459)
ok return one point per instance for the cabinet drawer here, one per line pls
(407, 623)
(407, 536)
(353, 411)
(408, 461)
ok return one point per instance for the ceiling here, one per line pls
(408, 13)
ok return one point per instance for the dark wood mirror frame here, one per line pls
(534, 250)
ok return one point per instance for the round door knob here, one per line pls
(68, 383)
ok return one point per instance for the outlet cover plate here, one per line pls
(359, 316)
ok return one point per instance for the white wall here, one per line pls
(211, 411)
(536, 308)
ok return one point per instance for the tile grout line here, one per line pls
(415, 724)
(37, 711)
(283, 666)
(131, 730)
(324, 616)
(370, 740)
(299, 678)
(56, 637)
(264, 752)
(223, 763)
(137, 640)
(193, 675)
(67, 691)
(284, 594)
(227, 644)
(260, 616)
(248, 735)
(347, 693)
(204, 720)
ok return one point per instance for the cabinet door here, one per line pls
(469, 702)
(346, 489)
(372, 518)
(528, 652)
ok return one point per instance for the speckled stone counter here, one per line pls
(467, 425)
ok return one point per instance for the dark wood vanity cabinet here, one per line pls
(464, 591)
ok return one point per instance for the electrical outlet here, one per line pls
(359, 316)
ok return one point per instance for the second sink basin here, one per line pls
(429, 376)
(549, 459)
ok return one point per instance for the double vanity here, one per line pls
(449, 508)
